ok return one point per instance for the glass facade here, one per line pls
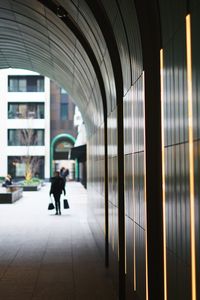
(25, 110)
(25, 137)
(25, 83)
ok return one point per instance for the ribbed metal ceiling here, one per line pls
(83, 45)
(34, 37)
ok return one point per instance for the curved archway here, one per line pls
(54, 141)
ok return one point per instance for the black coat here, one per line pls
(57, 186)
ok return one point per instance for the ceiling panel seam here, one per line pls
(17, 24)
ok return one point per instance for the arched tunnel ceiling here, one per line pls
(33, 37)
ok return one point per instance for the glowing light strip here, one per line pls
(125, 252)
(163, 174)
(133, 190)
(113, 215)
(145, 193)
(191, 156)
(103, 179)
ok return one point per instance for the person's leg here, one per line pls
(56, 197)
(59, 211)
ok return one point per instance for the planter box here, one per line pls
(31, 188)
(10, 195)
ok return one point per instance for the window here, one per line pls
(22, 110)
(25, 83)
(22, 85)
(17, 166)
(40, 84)
(25, 137)
(64, 111)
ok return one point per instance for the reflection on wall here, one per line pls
(135, 189)
(181, 132)
(182, 222)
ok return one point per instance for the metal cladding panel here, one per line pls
(34, 5)
(177, 221)
(197, 197)
(89, 27)
(194, 4)
(129, 255)
(177, 163)
(128, 187)
(29, 19)
(57, 28)
(71, 7)
(109, 82)
(7, 18)
(140, 262)
(122, 44)
(96, 95)
(82, 58)
(111, 9)
(47, 46)
(60, 36)
(196, 121)
(91, 30)
(136, 138)
(196, 71)
(172, 15)
(180, 92)
(175, 91)
(131, 27)
(94, 36)
(128, 104)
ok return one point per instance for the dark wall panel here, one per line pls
(177, 168)
(196, 96)
(178, 219)
(134, 190)
(172, 13)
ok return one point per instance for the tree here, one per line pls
(29, 137)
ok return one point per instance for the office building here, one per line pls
(25, 123)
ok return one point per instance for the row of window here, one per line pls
(17, 166)
(26, 110)
(25, 83)
(26, 137)
(32, 110)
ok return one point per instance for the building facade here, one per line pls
(24, 123)
(63, 130)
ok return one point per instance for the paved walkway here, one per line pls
(49, 257)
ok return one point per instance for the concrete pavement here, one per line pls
(44, 256)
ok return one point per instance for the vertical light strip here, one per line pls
(133, 190)
(145, 193)
(191, 155)
(111, 162)
(125, 120)
(125, 240)
(163, 173)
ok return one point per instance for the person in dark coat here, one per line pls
(57, 187)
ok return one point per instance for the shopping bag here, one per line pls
(51, 206)
(65, 203)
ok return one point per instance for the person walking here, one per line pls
(57, 187)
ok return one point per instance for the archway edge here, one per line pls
(54, 140)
